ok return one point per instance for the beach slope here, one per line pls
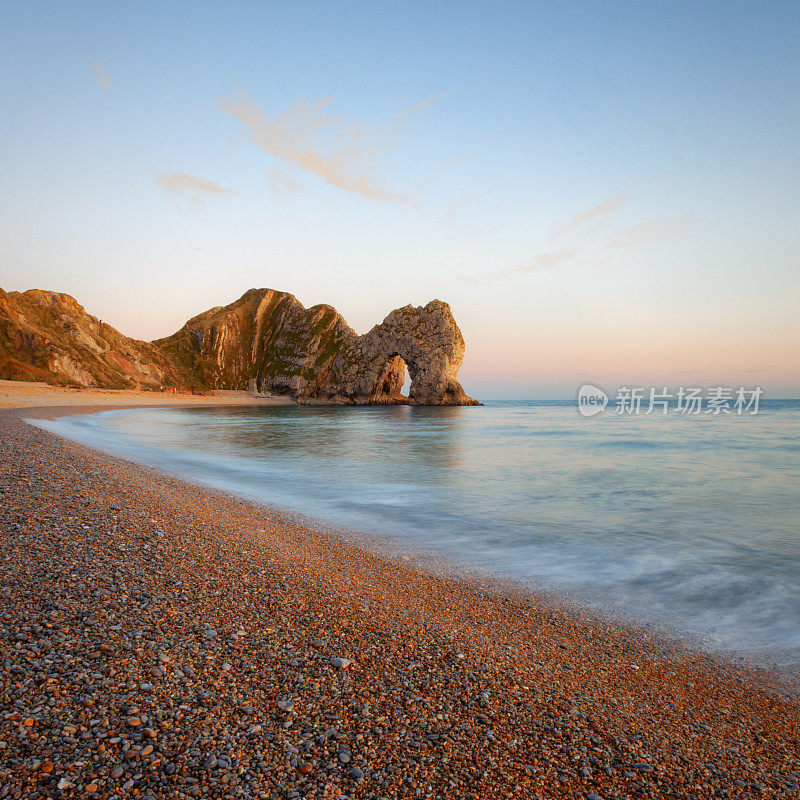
(159, 640)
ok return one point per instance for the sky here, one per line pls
(603, 191)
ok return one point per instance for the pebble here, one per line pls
(200, 667)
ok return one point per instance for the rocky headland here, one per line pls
(266, 341)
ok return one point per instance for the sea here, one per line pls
(688, 523)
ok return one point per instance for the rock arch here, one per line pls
(271, 342)
(266, 341)
(370, 369)
(431, 346)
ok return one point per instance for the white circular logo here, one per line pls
(591, 400)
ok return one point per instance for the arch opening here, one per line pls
(405, 389)
(397, 379)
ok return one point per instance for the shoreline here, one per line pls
(488, 694)
(24, 394)
(783, 675)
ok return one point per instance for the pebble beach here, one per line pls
(161, 640)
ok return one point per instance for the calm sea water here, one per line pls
(689, 522)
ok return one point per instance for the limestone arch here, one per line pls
(389, 386)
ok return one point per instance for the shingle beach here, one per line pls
(161, 640)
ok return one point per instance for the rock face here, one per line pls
(265, 335)
(266, 341)
(371, 368)
(269, 341)
(48, 336)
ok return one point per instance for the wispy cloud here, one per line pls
(585, 239)
(539, 263)
(190, 187)
(491, 231)
(451, 162)
(478, 281)
(308, 135)
(407, 112)
(550, 260)
(600, 211)
(103, 78)
(281, 182)
(646, 233)
(461, 202)
(101, 74)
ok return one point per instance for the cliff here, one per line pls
(48, 336)
(266, 340)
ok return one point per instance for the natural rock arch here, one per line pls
(269, 340)
(266, 341)
(425, 339)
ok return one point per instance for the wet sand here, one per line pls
(163, 640)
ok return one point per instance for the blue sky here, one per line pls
(603, 191)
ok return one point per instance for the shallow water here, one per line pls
(689, 522)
